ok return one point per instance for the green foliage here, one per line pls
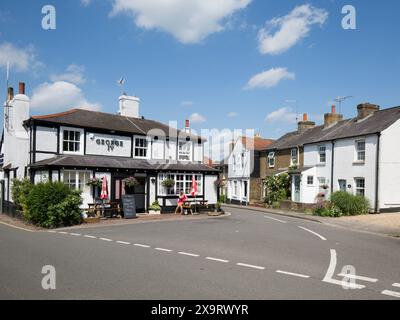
(328, 211)
(276, 205)
(155, 206)
(168, 183)
(53, 204)
(222, 198)
(350, 205)
(20, 190)
(277, 188)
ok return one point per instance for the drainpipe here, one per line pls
(332, 164)
(378, 147)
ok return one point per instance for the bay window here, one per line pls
(183, 182)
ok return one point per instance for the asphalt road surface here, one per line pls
(248, 255)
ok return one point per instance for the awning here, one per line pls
(119, 163)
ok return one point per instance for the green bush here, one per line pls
(328, 211)
(155, 206)
(20, 191)
(350, 205)
(53, 204)
(277, 188)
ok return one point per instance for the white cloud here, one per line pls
(269, 78)
(86, 2)
(197, 118)
(282, 115)
(188, 21)
(60, 96)
(20, 59)
(74, 74)
(232, 114)
(280, 34)
(187, 103)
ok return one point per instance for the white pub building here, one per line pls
(76, 145)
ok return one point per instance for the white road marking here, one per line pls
(162, 249)
(293, 274)
(314, 233)
(391, 293)
(52, 231)
(275, 219)
(250, 266)
(105, 239)
(188, 254)
(216, 259)
(141, 245)
(75, 234)
(396, 285)
(331, 271)
(354, 276)
(15, 227)
(123, 242)
(62, 232)
(89, 236)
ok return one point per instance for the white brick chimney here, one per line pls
(129, 106)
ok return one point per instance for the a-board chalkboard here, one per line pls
(129, 206)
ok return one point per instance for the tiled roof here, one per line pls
(119, 163)
(256, 143)
(109, 121)
(375, 123)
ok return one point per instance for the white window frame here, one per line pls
(321, 151)
(359, 151)
(182, 181)
(185, 152)
(77, 186)
(147, 148)
(81, 140)
(357, 188)
(271, 159)
(292, 157)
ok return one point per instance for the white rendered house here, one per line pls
(76, 145)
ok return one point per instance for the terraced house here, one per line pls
(360, 155)
(76, 145)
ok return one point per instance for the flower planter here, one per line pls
(154, 212)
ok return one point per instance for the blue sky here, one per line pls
(196, 58)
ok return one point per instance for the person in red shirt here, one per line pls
(181, 200)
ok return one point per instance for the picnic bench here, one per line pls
(197, 205)
(108, 209)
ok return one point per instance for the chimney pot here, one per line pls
(332, 118)
(21, 88)
(333, 109)
(305, 117)
(305, 124)
(187, 123)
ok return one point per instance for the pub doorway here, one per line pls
(118, 190)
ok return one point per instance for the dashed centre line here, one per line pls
(162, 249)
(123, 242)
(141, 245)
(314, 233)
(75, 234)
(105, 239)
(396, 285)
(89, 236)
(293, 274)
(189, 254)
(250, 266)
(216, 259)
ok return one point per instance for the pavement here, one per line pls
(244, 255)
(385, 223)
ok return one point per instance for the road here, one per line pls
(248, 255)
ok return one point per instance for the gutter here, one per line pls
(378, 150)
